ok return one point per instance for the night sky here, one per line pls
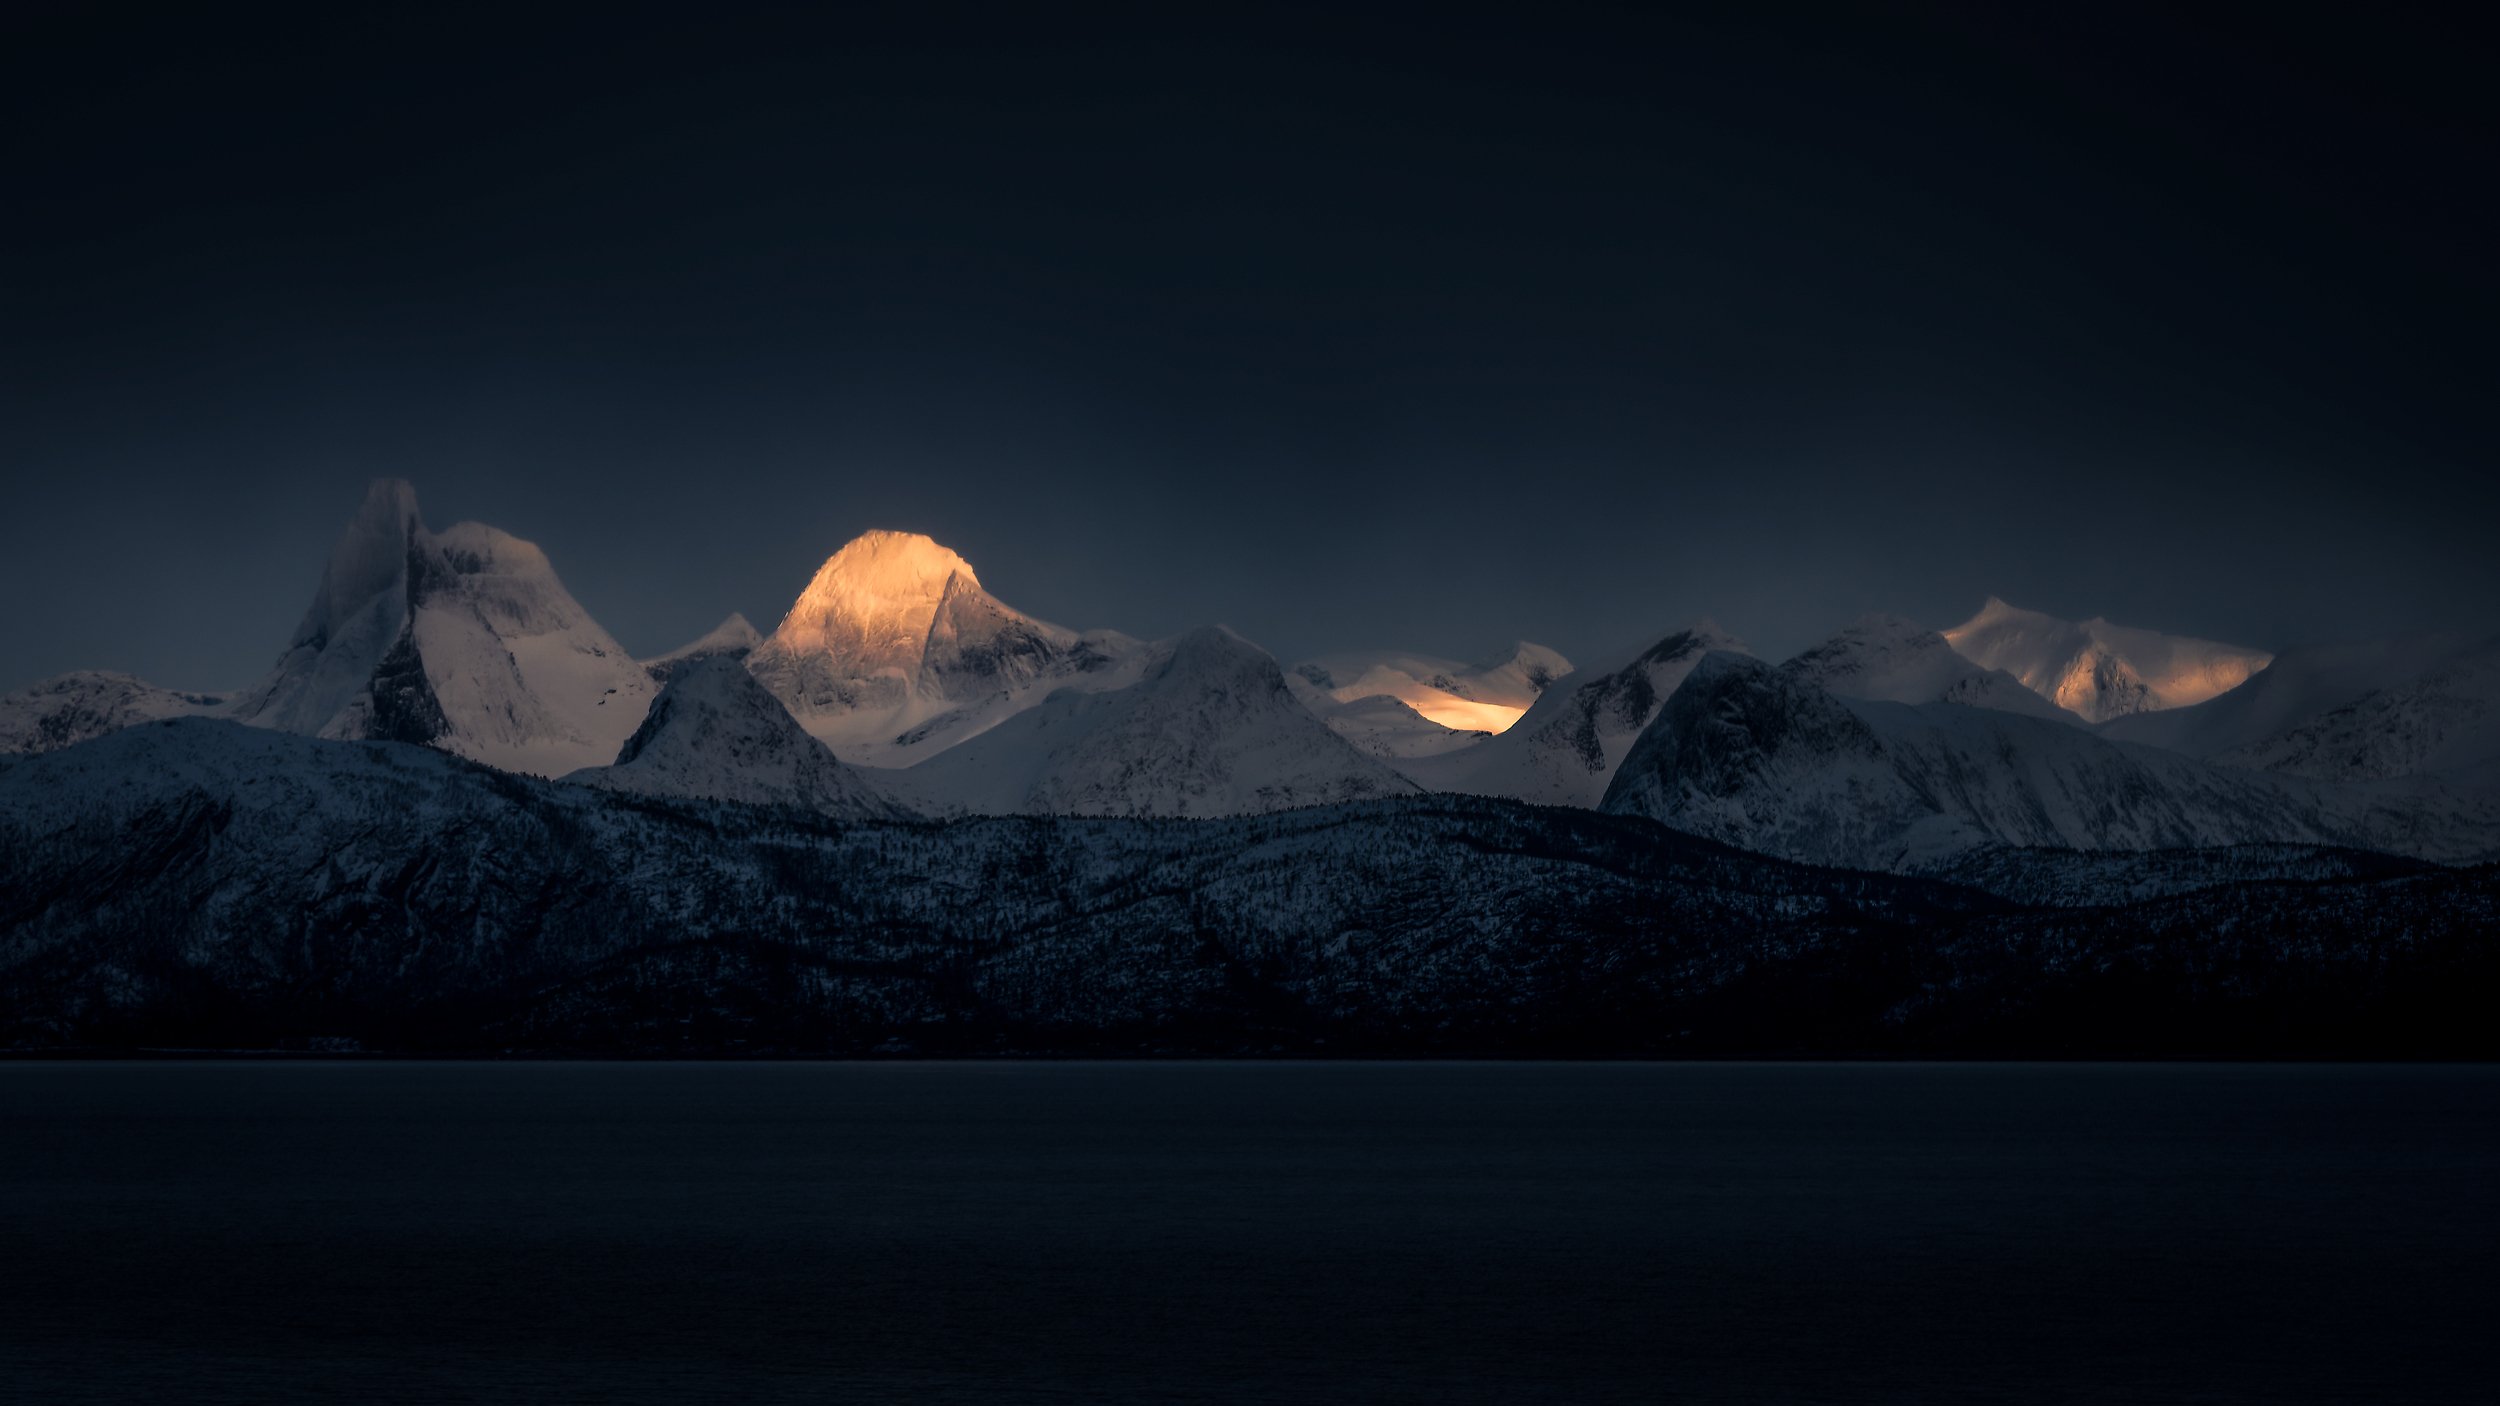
(1431, 330)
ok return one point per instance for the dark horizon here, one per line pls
(1355, 333)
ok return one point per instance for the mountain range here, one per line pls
(445, 699)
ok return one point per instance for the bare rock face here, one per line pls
(463, 639)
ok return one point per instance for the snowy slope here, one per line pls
(2098, 670)
(1386, 727)
(1757, 757)
(288, 784)
(462, 639)
(1564, 750)
(68, 709)
(847, 654)
(2303, 686)
(733, 638)
(1208, 729)
(1403, 706)
(715, 734)
(203, 884)
(325, 685)
(895, 652)
(2444, 720)
(1486, 697)
(1886, 659)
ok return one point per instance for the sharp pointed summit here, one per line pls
(463, 639)
(715, 734)
(732, 637)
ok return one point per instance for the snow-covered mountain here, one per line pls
(1207, 729)
(1401, 706)
(1758, 757)
(462, 639)
(732, 638)
(1462, 698)
(1857, 751)
(2098, 670)
(2443, 720)
(68, 709)
(1886, 659)
(715, 734)
(2385, 708)
(1565, 749)
(201, 884)
(895, 652)
(1386, 727)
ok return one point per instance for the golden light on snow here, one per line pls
(1460, 697)
(2099, 670)
(1465, 715)
(874, 599)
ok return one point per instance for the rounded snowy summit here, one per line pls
(879, 592)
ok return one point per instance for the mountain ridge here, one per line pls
(410, 900)
(2098, 670)
(1764, 759)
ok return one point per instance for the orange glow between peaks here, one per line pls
(1464, 715)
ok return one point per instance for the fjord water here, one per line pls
(272, 1232)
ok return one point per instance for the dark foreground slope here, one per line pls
(198, 884)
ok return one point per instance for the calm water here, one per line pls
(1212, 1232)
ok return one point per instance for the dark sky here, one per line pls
(1432, 328)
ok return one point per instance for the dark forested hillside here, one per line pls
(195, 884)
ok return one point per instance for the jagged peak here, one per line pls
(369, 556)
(963, 601)
(389, 500)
